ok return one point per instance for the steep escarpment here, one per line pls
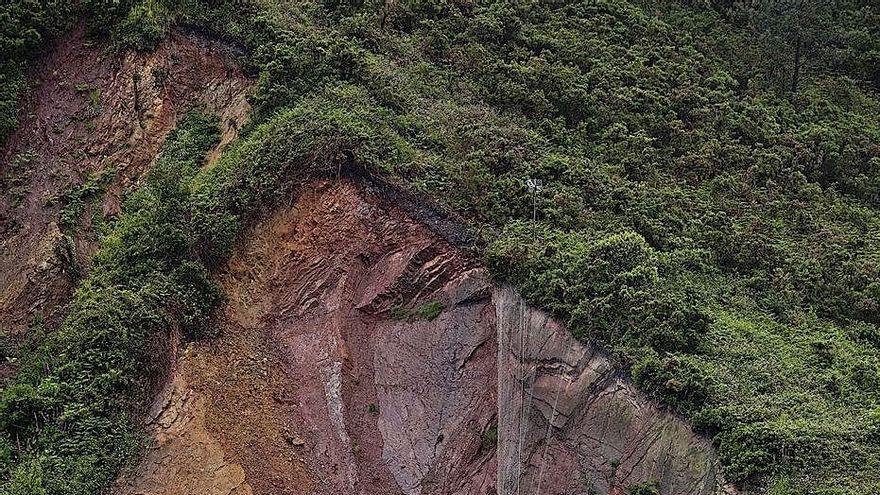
(709, 215)
(90, 127)
(362, 353)
(365, 403)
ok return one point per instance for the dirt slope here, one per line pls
(91, 111)
(326, 379)
(342, 399)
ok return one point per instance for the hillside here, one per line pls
(708, 224)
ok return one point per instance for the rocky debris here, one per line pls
(227, 413)
(568, 423)
(88, 112)
(294, 440)
(184, 456)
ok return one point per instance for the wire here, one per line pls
(522, 395)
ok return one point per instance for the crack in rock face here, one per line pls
(330, 377)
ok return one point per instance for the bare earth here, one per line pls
(323, 378)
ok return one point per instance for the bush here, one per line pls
(643, 488)
(144, 26)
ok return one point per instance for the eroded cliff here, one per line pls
(359, 352)
(362, 353)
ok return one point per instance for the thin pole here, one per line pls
(534, 204)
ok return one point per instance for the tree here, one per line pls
(792, 33)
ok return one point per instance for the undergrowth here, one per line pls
(73, 200)
(427, 311)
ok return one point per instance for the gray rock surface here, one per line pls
(568, 423)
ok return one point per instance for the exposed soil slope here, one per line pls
(360, 352)
(331, 377)
(90, 112)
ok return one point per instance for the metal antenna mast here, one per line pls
(535, 186)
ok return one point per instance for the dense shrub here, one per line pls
(143, 27)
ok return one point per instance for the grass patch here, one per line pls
(16, 180)
(426, 312)
(644, 488)
(490, 437)
(75, 199)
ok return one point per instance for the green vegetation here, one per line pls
(645, 488)
(16, 180)
(427, 311)
(73, 201)
(709, 216)
(490, 437)
(143, 27)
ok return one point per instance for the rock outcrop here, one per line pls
(569, 423)
(359, 401)
(335, 374)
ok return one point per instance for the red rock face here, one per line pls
(386, 405)
(330, 377)
(368, 403)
